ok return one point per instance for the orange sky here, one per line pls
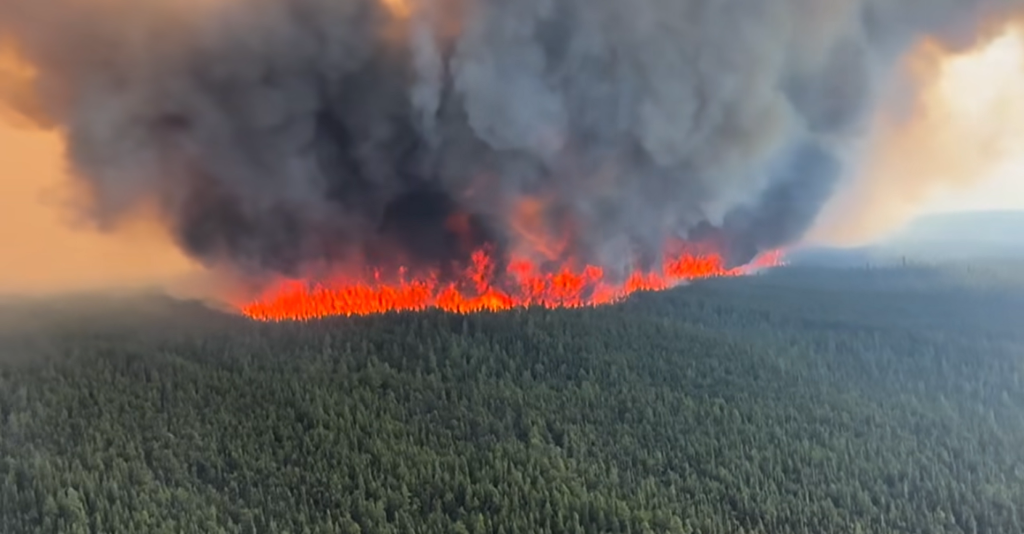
(984, 92)
(41, 252)
(962, 147)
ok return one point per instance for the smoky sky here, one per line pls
(275, 134)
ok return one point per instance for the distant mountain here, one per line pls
(994, 227)
(939, 237)
(820, 256)
(962, 235)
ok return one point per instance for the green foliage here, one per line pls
(801, 401)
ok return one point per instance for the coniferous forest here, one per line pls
(802, 400)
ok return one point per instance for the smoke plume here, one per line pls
(273, 135)
(953, 145)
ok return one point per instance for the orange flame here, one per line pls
(521, 284)
(529, 221)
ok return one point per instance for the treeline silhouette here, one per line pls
(798, 401)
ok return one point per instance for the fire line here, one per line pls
(521, 284)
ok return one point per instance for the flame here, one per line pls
(529, 221)
(534, 275)
(521, 283)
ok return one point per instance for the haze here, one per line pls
(43, 252)
(949, 141)
(984, 89)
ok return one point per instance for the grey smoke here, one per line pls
(277, 134)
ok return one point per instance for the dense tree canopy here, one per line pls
(799, 401)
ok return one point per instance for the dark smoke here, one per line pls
(275, 134)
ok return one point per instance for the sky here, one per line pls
(44, 245)
(956, 145)
(984, 94)
(1003, 189)
(43, 251)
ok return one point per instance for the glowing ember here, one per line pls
(521, 284)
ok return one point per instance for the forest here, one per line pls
(801, 400)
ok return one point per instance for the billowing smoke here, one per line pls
(948, 138)
(271, 135)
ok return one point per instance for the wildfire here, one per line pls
(483, 287)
